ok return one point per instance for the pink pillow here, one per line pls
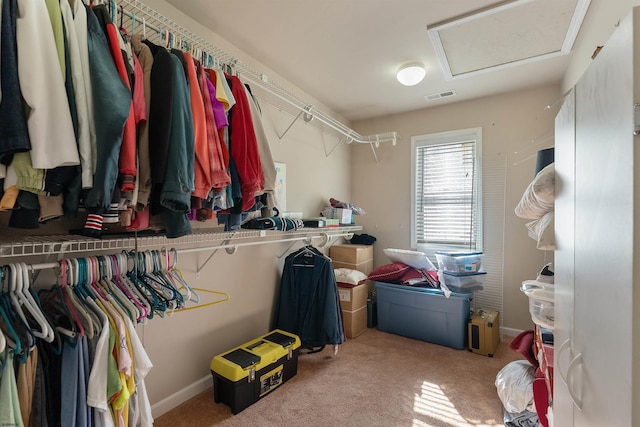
(389, 272)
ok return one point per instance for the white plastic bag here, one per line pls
(515, 386)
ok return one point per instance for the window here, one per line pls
(447, 191)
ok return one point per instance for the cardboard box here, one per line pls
(352, 254)
(355, 322)
(484, 332)
(353, 298)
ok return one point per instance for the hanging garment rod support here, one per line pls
(375, 156)
(289, 127)
(341, 141)
(199, 269)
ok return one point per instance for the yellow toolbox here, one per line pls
(484, 332)
(247, 373)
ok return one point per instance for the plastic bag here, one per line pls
(345, 205)
(515, 386)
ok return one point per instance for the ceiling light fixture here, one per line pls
(411, 74)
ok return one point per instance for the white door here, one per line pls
(565, 144)
(604, 236)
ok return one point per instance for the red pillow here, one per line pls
(389, 272)
(420, 277)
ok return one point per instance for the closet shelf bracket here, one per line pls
(307, 118)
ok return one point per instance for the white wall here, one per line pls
(509, 122)
(601, 21)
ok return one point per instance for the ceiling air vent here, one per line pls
(440, 95)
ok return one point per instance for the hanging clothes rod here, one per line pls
(140, 14)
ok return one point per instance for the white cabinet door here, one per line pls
(565, 144)
(604, 235)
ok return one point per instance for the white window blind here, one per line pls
(447, 208)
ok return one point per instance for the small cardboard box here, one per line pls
(352, 254)
(353, 298)
(355, 322)
(355, 257)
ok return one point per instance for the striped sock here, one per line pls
(93, 225)
(111, 216)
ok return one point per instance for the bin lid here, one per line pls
(430, 291)
(534, 284)
(539, 294)
(463, 274)
(456, 253)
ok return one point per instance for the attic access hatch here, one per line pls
(506, 34)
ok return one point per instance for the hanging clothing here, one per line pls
(9, 402)
(26, 383)
(145, 58)
(218, 169)
(179, 173)
(266, 159)
(44, 93)
(308, 303)
(112, 100)
(244, 146)
(127, 155)
(77, 48)
(202, 165)
(14, 134)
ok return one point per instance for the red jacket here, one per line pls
(244, 146)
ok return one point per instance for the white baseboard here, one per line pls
(181, 396)
(511, 332)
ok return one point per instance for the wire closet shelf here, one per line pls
(140, 15)
(200, 240)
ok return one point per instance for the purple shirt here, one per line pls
(218, 108)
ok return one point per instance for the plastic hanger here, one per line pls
(177, 274)
(122, 282)
(134, 275)
(3, 339)
(79, 276)
(170, 278)
(67, 271)
(115, 294)
(133, 23)
(55, 308)
(17, 302)
(84, 289)
(164, 295)
(33, 307)
(16, 316)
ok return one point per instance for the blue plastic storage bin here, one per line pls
(424, 314)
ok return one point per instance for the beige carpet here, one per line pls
(377, 379)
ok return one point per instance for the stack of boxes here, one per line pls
(353, 300)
